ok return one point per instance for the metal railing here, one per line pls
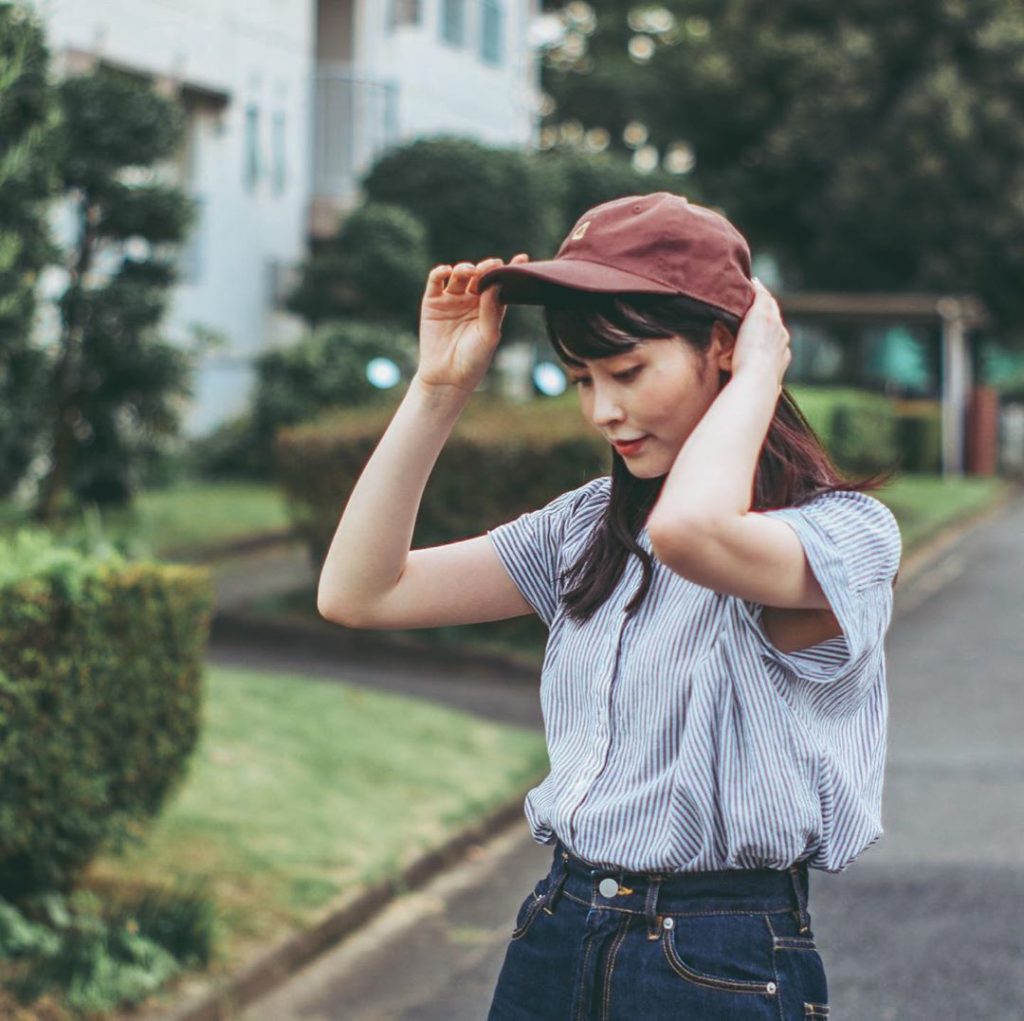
(355, 118)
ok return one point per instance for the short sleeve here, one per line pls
(853, 545)
(530, 547)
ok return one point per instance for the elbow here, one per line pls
(325, 609)
(669, 542)
(332, 612)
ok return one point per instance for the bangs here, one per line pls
(585, 325)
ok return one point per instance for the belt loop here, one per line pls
(797, 870)
(560, 874)
(651, 907)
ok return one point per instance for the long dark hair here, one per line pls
(793, 466)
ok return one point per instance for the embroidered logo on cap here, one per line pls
(580, 230)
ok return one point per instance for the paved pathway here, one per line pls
(925, 926)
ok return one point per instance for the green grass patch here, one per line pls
(209, 514)
(190, 516)
(925, 504)
(301, 790)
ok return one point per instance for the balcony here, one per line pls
(355, 118)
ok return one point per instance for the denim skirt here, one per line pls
(594, 944)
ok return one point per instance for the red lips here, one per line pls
(630, 448)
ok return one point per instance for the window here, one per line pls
(252, 147)
(191, 259)
(453, 22)
(491, 41)
(278, 138)
(403, 12)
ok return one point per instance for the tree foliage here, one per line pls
(373, 269)
(447, 199)
(117, 386)
(867, 146)
(28, 180)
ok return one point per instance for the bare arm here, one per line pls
(369, 576)
(702, 526)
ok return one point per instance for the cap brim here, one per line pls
(536, 283)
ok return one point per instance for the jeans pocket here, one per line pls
(800, 969)
(529, 909)
(728, 952)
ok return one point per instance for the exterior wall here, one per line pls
(227, 55)
(225, 58)
(395, 83)
(445, 87)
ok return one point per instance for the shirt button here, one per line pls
(608, 887)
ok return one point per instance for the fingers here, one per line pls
(481, 269)
(463, 277)
(436, 280)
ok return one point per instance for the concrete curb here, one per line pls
(331, 639)
(236, 547)
(933, 549)
(271, 968)
(274, 966)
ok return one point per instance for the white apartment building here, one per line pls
(288, 102)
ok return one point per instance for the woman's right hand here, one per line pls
(459, 327)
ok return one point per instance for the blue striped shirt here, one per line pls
(680, 738)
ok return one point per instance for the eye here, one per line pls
(625, 376)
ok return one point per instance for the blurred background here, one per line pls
(216, 221)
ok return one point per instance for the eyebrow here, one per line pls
(625, 354)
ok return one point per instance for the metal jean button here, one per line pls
(608, 887)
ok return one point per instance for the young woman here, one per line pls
(714, 683)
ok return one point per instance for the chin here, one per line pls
(645, 471)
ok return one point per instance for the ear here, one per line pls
(722, 345)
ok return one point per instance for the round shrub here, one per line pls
(101, 665)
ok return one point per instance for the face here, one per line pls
(659, 391)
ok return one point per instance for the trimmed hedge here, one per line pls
(501, 459)
(919, 424)
(100, 696)
(860, 429)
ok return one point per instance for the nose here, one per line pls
(606, 407)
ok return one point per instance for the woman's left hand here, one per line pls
(762, 341)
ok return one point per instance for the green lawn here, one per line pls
(190, 516)
(301, 790)
(925, 504)
(205, 515)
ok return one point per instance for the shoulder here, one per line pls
(860, 527)
(846, 508)
(575, 505)
(592, 494)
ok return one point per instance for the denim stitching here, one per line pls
(531, 914)
(684, 971)
(606, 998)
(790, 942)
(674, 914)
(582, 989)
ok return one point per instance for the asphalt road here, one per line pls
(927, 925)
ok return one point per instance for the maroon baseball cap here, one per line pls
(652, 244)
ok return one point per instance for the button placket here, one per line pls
(602, 726)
